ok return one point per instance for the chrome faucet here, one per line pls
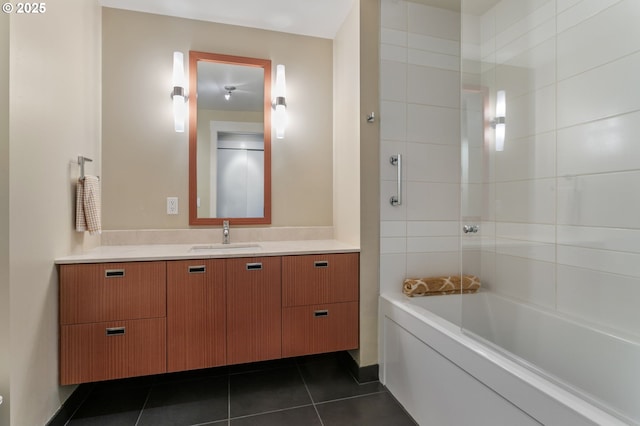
(225, 232)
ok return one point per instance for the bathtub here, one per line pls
(445, 376)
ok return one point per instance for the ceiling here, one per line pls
(316, 18)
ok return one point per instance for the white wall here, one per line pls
(564, 197)
(560, 204)
(54, 107)
(419, 118)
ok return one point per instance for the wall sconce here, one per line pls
(179, 93)
(280, 103)
(498, 123)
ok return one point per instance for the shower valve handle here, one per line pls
(470, 229)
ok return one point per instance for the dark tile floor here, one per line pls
(309, 391)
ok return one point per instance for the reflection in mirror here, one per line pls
(229, 139)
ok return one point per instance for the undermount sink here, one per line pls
(217, 247)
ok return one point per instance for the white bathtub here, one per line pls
(443, 376)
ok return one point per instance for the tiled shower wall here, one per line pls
(419, 119)
(561, 203)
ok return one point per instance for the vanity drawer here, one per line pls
(112, 350)
(99, 292)
(319, 328)
(316, 279)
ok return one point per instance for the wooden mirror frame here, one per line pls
(265, 64)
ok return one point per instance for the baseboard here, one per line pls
(71, 405)
(364, 374)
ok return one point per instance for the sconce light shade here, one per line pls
(499, 122)
(179, 94)
(279, 103)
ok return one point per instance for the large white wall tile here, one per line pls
(393, 270)
(526, 231)
(433, 264)
(531, 201)
(613, 262)
(618, 239)
(433, 86)
(431, 59)
(433, 228)
(432, 201)
(607, 36)
(517, 47)
(431, 244)
(472, 202)
(529, 158)
(600, 146)
(601, 92)
(533, 69)
(529, 280)
(393, 14)
(393, 228)
(598, 297)
(433, 21)
(434, 44)
(574, 12)
(526, 249)
(512, 12)
(393, 84)
(433, 163)
(389, 52)
(393, 245)
(393, 37)
(526, 27)
(531, 113)
(433, 124)
(393, 120)
(611, 200)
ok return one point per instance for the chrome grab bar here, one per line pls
(396, 160)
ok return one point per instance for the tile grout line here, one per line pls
(228, 398)
(86, 397)
(144, 405)
(309, 393)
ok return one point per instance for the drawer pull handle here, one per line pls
(254, 266)
(200, 269)
(321, 264)
(322, 313)
(115, 331)
(114, 273)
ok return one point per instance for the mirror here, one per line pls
(229, 139)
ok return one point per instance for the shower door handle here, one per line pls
(470, 229)
(396, 160)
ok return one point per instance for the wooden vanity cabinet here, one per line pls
(112, 321)
(131, 319)
(254, 309)
(196, 314)
(320, 303)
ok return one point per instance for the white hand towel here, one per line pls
(88, 205)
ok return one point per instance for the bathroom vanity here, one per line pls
(130, 311)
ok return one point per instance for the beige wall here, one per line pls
(356, 158)
(369, 176)
(4, 217)
(145, 161)
(54, 107)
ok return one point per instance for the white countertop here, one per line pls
(132, 253)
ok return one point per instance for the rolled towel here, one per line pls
(431, 286)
